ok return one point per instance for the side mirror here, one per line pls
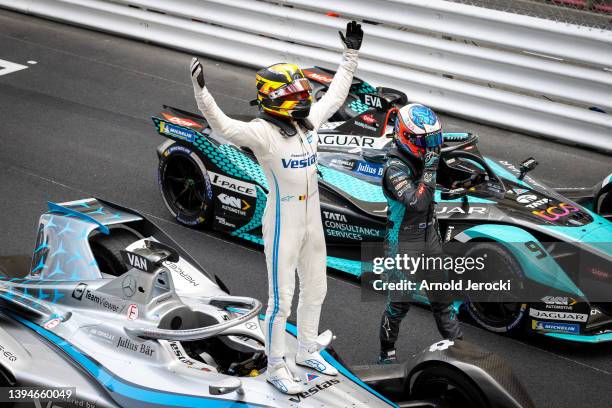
(226, 386)
(527, 166)
(454, 194)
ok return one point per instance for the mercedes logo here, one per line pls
(129, 286)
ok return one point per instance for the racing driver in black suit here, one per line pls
(409, 184)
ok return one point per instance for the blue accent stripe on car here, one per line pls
(124, 388)
(275, 262)
(344, 371)
(582, 338)
(350, 266)
(54, 207)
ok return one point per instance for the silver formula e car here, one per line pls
(109, 304)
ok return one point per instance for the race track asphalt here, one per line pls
(77, 124)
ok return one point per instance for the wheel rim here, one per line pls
(495, 315)
(184, 185)
(500, 315)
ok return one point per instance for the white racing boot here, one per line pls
(311, 356)
(281, 377)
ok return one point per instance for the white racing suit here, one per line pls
(292, 228)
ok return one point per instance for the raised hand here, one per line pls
(197, 74)
(354, 35)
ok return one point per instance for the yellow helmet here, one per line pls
(283, 90)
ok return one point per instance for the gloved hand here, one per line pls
(354, 35)
(431, 158)
(197, 74)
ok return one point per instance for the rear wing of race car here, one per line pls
(380, 98)
(193, 132)
(183, 118)
(325, 76)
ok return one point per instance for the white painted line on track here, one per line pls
(8, 67)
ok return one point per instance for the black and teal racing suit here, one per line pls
(411, 227)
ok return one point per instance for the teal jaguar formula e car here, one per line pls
(208, 182)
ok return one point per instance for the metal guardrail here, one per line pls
(532, 75)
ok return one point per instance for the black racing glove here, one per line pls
(431, 159)
(354, 35)
(197, 74)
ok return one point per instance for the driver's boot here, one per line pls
(387, 356)
(310, 357)
(282, 379)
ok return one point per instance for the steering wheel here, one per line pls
(201, 333)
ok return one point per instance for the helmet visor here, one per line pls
(299, 96)
(296, 86)
(429, 140)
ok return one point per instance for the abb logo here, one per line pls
(318, 77)
(555, 212)
(51, 324)
(132, 312)
(181, 121)
(368, 118)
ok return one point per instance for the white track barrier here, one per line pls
(532, 75)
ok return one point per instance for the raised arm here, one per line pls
(341, 84)
(250, 134)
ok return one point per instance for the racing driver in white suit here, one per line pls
(284, 139)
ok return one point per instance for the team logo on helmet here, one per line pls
(416, 128)
(421, 115)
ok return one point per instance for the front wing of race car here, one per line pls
(31, 366)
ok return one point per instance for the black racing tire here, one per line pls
(106, 250)
(448, 387)
(498, 317)
(185, 186)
